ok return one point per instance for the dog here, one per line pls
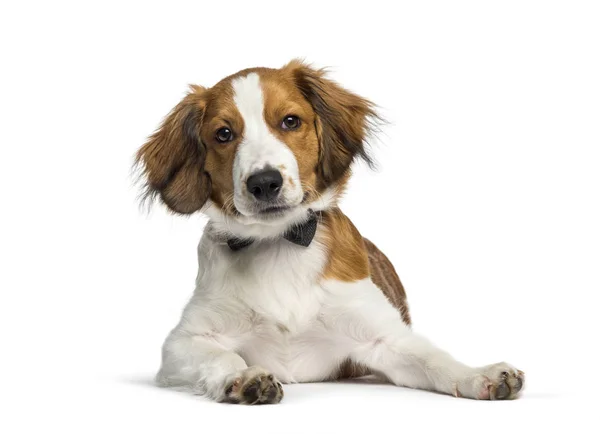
(287, 289)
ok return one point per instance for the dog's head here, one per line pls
(261, 146)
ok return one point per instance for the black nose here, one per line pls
(265, 185)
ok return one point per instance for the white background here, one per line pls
(486, 199)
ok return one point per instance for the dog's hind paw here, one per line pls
(493, 382)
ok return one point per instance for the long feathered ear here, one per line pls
(343, 121)
(172, 159)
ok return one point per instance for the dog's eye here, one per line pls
(290, 122)
(224, 135)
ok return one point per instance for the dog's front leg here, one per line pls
(209, 368)
(375, 336)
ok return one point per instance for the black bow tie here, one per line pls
(301, 234)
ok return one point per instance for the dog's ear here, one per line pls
(172, 159)
(343, 121)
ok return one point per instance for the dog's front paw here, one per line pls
(497, 381)
(254, 385)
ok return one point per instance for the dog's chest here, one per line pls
(274, 320)
(277, 281)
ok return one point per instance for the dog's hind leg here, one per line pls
(372, 331)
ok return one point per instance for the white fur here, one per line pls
(259, 148)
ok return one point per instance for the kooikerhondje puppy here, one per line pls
(287, 288)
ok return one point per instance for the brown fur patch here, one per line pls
(221, 112)
(348, 260)
(350, 369)
(385, 277)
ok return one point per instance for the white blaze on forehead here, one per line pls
(259, 148)
(248, 98)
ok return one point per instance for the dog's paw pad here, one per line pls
(254, 386)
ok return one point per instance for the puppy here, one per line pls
(287, 288)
